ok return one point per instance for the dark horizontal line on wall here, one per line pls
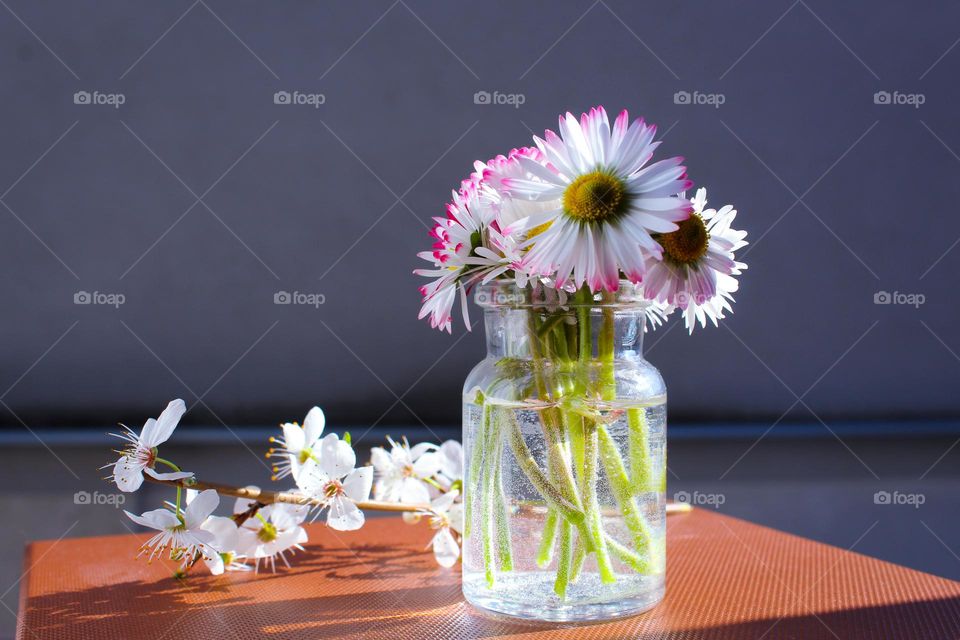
(187, 436)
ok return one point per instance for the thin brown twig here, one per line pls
(267, 496)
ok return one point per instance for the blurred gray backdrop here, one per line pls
(194, 160)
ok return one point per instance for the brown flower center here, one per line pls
(687, 244)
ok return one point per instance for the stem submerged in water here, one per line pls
(640, 472)
(620, 484)
(501, 521)
(565, 560)
(548, 539)
(473, 480)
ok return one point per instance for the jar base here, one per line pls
(529, 596)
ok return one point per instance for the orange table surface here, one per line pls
(726, 579)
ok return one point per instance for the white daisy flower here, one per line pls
(183, 534)
(139, 454)
(336, 482)
(445, 516)
(467, 251)
(698, 267)
(402, 474)
(494, 172)
(297, 444)
(271, 533)
(605, 201)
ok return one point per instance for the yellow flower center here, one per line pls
(595, 197)
(267, 533)
(687, 244)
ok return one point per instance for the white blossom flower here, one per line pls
(336, 482)
(271, 533)
(139, 454)
(182, 534)
(402, 472)
(451, 463)
(297, 444)
(445, 516)
(227, 543)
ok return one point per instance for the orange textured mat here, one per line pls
(726, 579)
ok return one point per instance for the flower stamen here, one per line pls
(688, 243)
(597, 196)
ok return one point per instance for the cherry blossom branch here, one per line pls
(267, 496)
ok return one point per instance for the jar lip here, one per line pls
(505, 294)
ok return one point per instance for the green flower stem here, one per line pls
(558, 459)
(551, 418)
(591, 505)
(579, 556)
(501, 520)
(587, 462)
(548, 540)
(639, 563)
(554, 497)
(179, 489)
(486, 502)
(473, 470)
(565, 560)
(605, 345)
(620, 484)
(638, 442)
(574, 424)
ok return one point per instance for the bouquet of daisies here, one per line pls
(582, 210)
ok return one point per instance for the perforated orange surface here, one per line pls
(727, 579)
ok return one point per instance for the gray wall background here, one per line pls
(199, 197)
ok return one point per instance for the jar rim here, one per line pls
(505, 294)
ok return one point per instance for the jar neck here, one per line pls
(521, 323)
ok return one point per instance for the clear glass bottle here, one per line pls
(564, 428)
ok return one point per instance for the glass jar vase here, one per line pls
(564, 428)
